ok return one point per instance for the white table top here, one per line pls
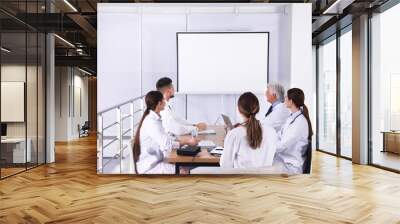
(13, 140)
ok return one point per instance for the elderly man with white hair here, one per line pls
(277, 113)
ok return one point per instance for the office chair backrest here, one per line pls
(86, 125)
(308, 158)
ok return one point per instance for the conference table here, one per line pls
(203, 158)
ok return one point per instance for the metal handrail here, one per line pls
(109, 126)
(131, 115)
(110, 142)
(137, 111)
(127, 116)
(119, 105)
(127, 131)
(119, 136)
(115, 156)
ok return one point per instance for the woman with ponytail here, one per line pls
(250, 144)
(294, 135)
(151, 142)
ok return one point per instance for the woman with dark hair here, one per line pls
(294, 136)
(250, 144)
(151, 142)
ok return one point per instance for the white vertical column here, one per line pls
(301, 55)
(50, 99)
(100, 143)
(132, 127)
(50, 92)
(120, 137)
(360, 90)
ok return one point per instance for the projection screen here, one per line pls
(12, 101)
(221, 62)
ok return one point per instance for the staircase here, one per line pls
(116, 127)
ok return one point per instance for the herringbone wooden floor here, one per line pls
(70, 191)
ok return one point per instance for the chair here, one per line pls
(308, 157)
(84, 130)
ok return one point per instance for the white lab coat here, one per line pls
(155, 145)
(277, 117)
(293, 139)
(237, 152)
(174, 124)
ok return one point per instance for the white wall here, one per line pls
(33, 126)
(61, 103)
(67, 114)
(313, 106)
(302, 74)
(80, 110)
(18, 73)
(137, 46)
(119, 58)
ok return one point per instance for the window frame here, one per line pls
(334, 37)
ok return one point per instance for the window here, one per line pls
(327, 97)
(385, 89)
(346, 93)
(22, 77)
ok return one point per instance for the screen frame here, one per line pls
(216, 32)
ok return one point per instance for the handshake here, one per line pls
(193, 140)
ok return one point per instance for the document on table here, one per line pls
(206, 144)
(217, 151)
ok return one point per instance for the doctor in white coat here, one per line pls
(152, 143)
(250, 144)
(277, 113)
(171, 122)
(294, 136)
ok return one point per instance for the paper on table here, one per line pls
(216, 151)
(206, 143)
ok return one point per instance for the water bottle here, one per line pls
(194, 133)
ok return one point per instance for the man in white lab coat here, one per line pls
(277, 113)
(172, 123)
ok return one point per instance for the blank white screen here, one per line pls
(12, 101)
(222, 62)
